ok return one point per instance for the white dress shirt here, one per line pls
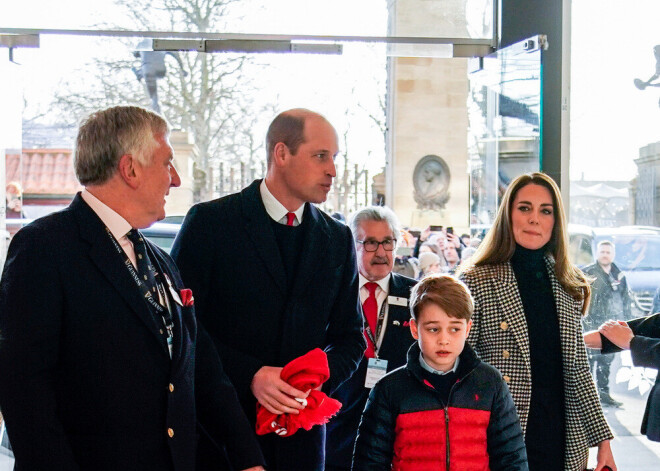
(117, 225)
(275, 209)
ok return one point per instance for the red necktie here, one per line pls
(370, 309)
(290, 217)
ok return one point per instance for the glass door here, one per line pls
(505, 126)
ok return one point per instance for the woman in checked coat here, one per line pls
(528, 303)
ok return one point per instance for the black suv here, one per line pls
(637, 255)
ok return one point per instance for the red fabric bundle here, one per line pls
(304, 373)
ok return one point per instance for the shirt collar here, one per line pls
(383, 283)
(432, 370)
(117, 225)
(274, 208)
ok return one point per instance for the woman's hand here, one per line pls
(604, 456)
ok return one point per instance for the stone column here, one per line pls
(181, 199)
(428, 116)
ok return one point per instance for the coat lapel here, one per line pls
(508, 297)
(398, 314)
(259, 231)
(176, 309)
(565, 314)
(104, 255)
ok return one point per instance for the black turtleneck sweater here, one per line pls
(545, 434)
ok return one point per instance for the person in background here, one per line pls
(103, 364)
(642, 337)
(655, 307)
(14, 197)
(384, 297)
(446, 409)
(429, 263)
(610, 299)
(529, 301)
(452, 258)
(438, 238)
(467, 253)
(297, 286)
(339, 217)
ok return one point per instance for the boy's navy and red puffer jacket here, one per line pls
(407, 427)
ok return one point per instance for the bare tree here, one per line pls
(351, 176)
(204, 94)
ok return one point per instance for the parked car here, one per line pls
(637, 255)
(161, 233)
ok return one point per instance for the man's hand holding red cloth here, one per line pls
(305, 373)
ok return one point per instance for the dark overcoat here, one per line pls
(645, 352)
(87, 380)
(229, 256)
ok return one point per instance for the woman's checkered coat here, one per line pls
(499, 335)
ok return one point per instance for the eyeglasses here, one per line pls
(372, 245)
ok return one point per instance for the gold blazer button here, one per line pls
(507, 379)
(170, 432)
(505, 354)
(171, 387)
(504, 325)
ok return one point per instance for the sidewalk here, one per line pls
(632, 451)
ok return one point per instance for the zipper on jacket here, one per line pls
(451, 390)
(446, 409)
(447, 431)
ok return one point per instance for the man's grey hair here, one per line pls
(106, 135)
(605, 242)
(375, 213)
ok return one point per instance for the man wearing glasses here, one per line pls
(384, 298)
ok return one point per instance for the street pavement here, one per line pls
(632, 450)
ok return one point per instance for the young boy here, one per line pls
(446, 409)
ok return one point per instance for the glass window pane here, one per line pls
(431, 18)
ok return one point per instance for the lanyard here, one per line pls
(379, 326)
(165, 314)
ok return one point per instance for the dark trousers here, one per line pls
(600, 364)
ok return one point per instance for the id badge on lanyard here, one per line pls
(376, 369)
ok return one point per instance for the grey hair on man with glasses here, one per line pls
(376, 213)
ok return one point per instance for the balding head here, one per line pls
(289, 128)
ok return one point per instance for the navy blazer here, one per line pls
(87, 380)
(645, 352)
(228, 255)
(342, 429)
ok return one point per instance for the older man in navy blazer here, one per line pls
(384, 297)
(274, 277)
(102, 363)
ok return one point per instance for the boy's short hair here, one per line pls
(446, 292)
